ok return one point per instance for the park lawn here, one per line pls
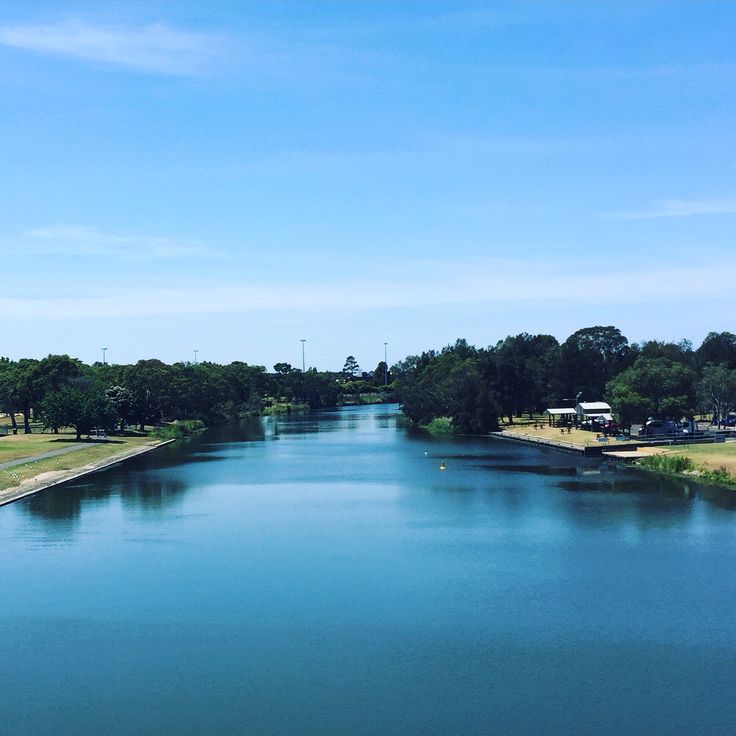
(13, 447)
(97, 451)
(711, 457)
(579, 437)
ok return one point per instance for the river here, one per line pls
(321, 575)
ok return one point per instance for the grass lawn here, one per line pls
(17, 446)
(24, 446)
(709, 456)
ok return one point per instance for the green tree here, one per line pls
(449, 385)
(591, 357)
(9, 399)
(678, 352)
(525, 372)
(653, 386)
(54, 371)
(82, 407)
(27, 389)
(148, 381)
(351, 368)
(717, 348)
(121, 402)
(716, 391)
(319, 389)
(381, 375)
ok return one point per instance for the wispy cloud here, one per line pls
(154, 48)
(680, 208)
(82, 240)
(503, 283)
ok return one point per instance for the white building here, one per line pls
(598, 411)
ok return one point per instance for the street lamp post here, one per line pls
(303, 366)
(104, 350)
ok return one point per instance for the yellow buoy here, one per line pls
(442, 466)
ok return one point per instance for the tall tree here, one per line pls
(653, 386)
(526, 369)
(381, 375)
(679, 352)
(450, 385)
(351, 368)
(591, 357)
(27, 389)
(9, 399)
(148, 381)
(717, 348)
(82, 407)
(716, 391)
(121, 402)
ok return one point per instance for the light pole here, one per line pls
(303, 367)
(385, 365)
(195, 357)
(104, 350)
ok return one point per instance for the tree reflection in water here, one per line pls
(65, 503)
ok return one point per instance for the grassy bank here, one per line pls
(24, 451)
(714, 463)
(16, 447)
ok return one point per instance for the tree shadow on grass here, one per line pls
(85, 441)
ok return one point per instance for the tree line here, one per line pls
(471, 387)
(61, 391)
(524, 373)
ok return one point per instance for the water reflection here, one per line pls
(366, 445)
(66, 502)
(538, 469)
(152, 494)
(62, 503)
(497, 456)
(633, 481)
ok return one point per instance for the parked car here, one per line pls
(654, 427)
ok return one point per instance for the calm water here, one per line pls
(322, 576)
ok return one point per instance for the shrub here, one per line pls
(178, 430)
(668, 463)
(719, 475)
(440, 425)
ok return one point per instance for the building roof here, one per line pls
(593, 406)
(555, 412)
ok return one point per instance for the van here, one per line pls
(656, 427)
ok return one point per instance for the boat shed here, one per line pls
(555, 415)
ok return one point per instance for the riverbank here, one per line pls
(30, 476)
(713, 464)
(575, 440)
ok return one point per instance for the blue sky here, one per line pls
(236, 176)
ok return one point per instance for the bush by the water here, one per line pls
(440, 425)
(719, 475)
(668, 463)
(179, 430)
